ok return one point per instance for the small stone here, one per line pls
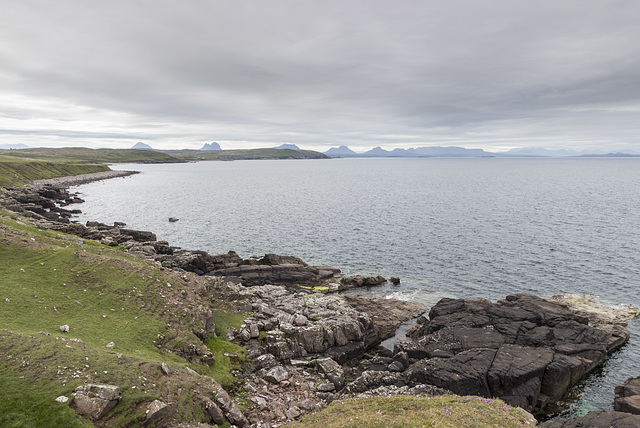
(326, 387)
(111, 345)
(261, 402)
(300, 320)
(253, 330)
(396, 366)
(64, 328)
(292, 412)
(233, 357)
(244, 335)
(276, 374)
(173, 219)
(166, 369)
(7, 300)
(62, 399)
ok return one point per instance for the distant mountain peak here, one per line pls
(211, 146)
(287, 146)
(340, 151)
(376, 151)
(142, 146)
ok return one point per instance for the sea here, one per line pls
(447, 227)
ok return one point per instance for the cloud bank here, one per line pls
(496, 74)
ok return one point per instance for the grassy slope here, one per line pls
(50, 279)
(15, 172)
(448, 411)
(85, 155)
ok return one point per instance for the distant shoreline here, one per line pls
(75, 180)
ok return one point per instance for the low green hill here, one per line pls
(86, 155)
(16, 171)
(246, 154)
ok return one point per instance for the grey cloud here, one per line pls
(334, 72)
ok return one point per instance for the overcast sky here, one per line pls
(492, 74)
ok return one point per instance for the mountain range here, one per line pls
(453, 151)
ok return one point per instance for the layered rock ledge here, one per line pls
(525, 349)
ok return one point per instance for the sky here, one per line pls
(491, 74)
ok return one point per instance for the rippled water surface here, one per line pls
(447, 227)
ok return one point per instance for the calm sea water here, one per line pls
(447, 227)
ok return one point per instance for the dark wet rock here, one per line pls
(598, 419)
(627, 396)
(275, 259)
(251, 275)
(463, 374)
(524, 349)
(357, 281)
(138, 235)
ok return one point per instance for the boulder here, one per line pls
(214, 412)
(276, 374)
(357, 281)
(95, 401)
(157, 413)
(138, 235)
(333, 371)
(627, 396)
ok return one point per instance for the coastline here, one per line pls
(76, 180)
(264, 299)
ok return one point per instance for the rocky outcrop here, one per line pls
(627, 396)
(95, 401)
(524, 349)
(300, 324)
(596, 419)
(275, 269)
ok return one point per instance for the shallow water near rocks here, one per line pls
(447, 227)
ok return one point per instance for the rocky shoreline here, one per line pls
(307, 348)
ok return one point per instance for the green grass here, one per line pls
(86, 155)
(16, 172)
(447, 411)
(49, 279)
